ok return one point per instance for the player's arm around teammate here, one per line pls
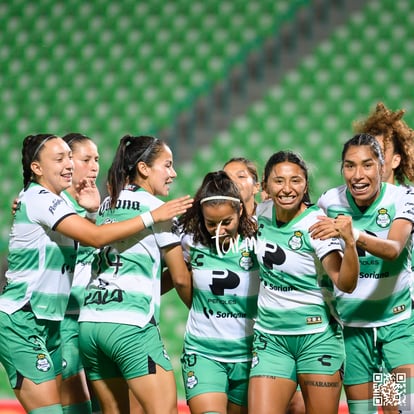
(377, 316)
(41, 262)
(297, 340)
(120, 342)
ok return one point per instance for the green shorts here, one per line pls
(203, 375)
(113, 350)
(71, 360)
(368, 349)
(29, 348)
(285, 356)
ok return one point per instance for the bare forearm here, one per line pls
(89, 234)
(384, 249)
(349, 271)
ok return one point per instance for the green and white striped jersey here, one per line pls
(382, 295)
(40, 260)
(125, 286)
(225, 286)
(83, 266)
(295, 294)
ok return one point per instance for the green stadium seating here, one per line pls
(312, 109)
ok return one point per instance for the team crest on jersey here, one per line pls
(255, 360)
(192, 380)
(296, 241)
(42, 364)
(166, 356)
(246, 261)
(383, 218)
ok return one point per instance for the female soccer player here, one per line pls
(297, 340)
(377, 316)
(219, 242)
(120, 341)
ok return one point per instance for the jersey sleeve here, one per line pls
(186, 242)
(324, 247)
(48, 209)
(321, 203)
(165, 235)
(405, 204)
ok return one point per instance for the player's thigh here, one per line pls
(33, 396)
(270, 394)
(112, 394)
(156, 392)
(321, 392)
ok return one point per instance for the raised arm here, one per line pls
(89, 234)
(344, 269)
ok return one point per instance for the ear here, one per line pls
(241, 209)
(256, 188)
(143, 169)
(263, 192)
(396, 161)
(36, 168)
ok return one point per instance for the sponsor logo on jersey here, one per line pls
(296, 241)
(222, 301)
(120, 204)
(278, 288)
(369, 262)
(398, 309)
(219, 284)
(383, 218)
(324, 360)
(42, 363)
(209, 313)
(312, 320)
(55, 205)
(383, 275)
(103, 297)
(235, 315)
(272, 254)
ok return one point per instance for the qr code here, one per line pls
(389, 389)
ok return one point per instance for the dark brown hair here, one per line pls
(216, 183)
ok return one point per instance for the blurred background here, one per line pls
(215, 78)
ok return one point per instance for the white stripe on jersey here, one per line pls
(41, 260)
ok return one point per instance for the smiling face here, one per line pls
(85, 161)
(248, 187)
(221, 220)
(54, 167)
(362, 172)
(286, 186)
(157, 178)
